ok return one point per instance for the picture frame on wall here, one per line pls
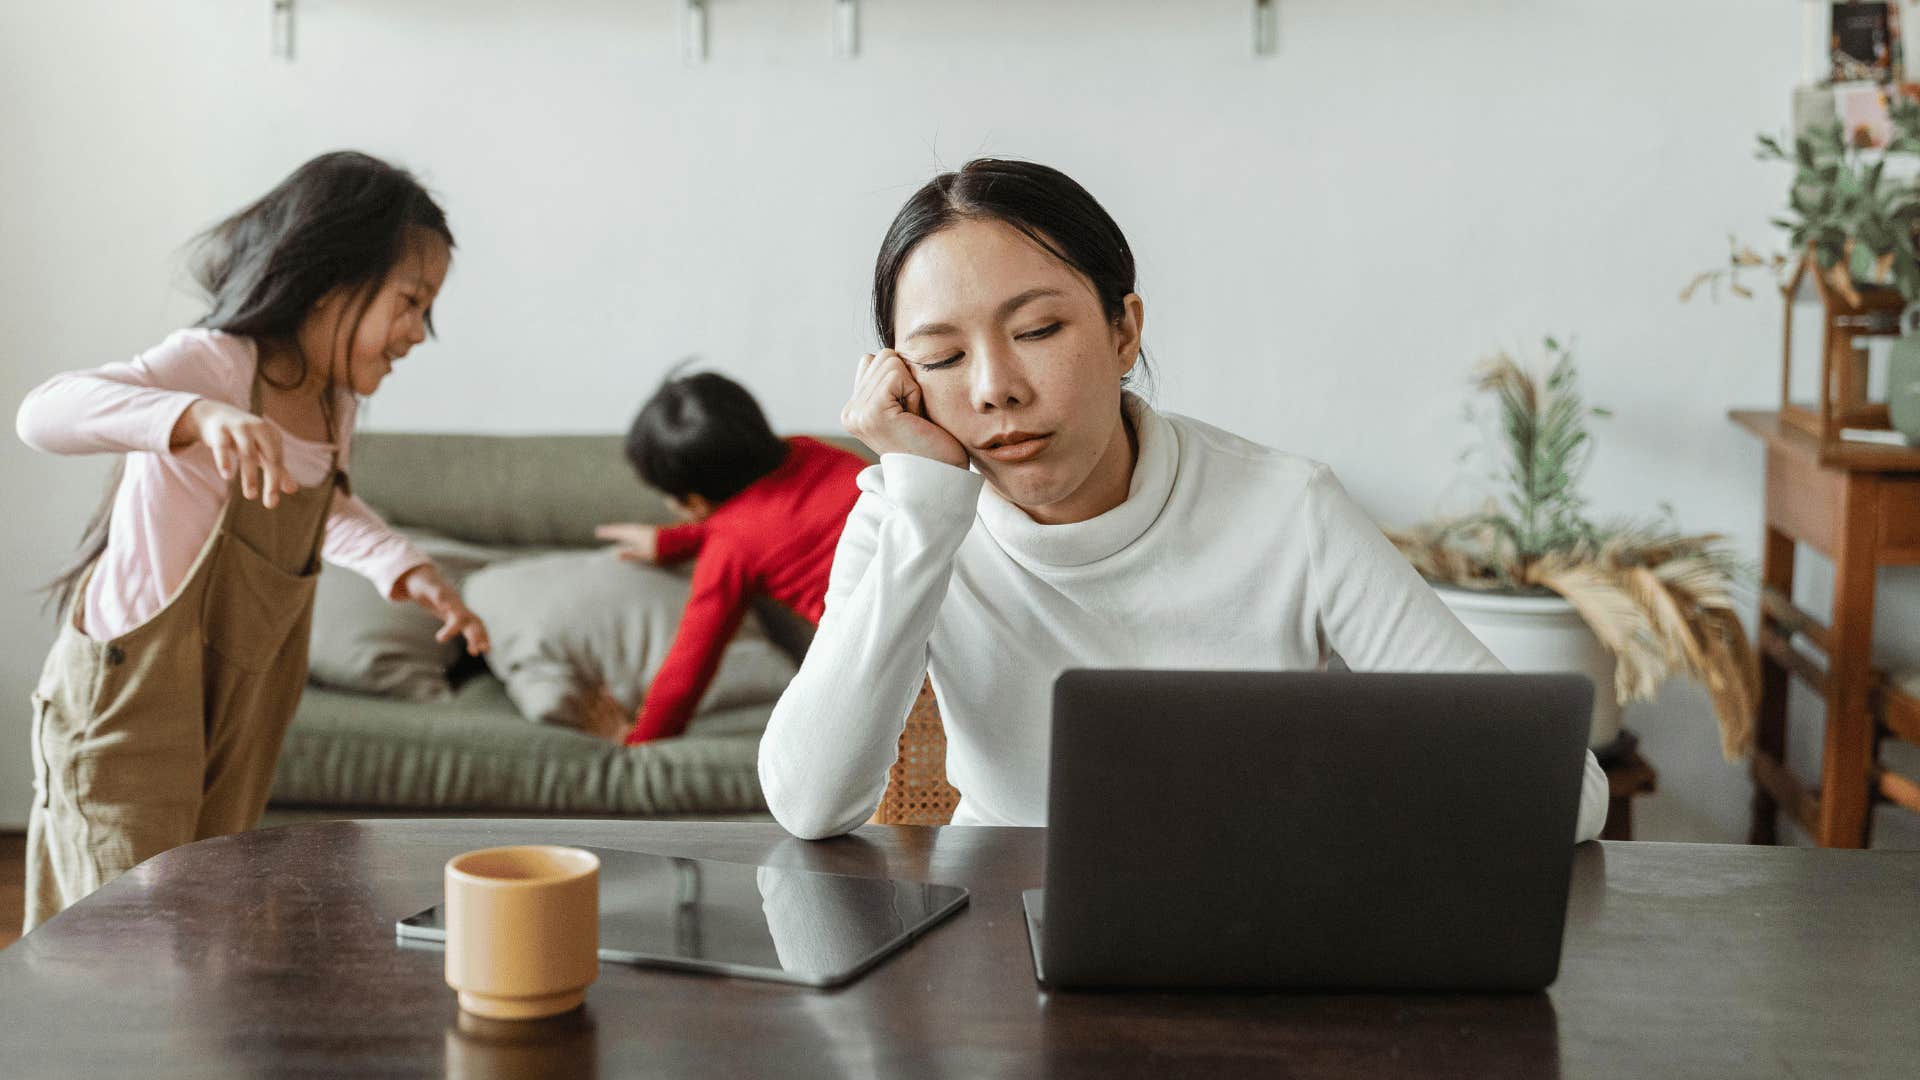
(1864, 41)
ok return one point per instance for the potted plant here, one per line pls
(1856, 221)
(1546, 588)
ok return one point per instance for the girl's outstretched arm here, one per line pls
(133, 405)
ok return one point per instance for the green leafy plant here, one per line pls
(1859, 218)
(1662, 601)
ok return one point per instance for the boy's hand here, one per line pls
(632, 541)
(424, 586)
(888, 412)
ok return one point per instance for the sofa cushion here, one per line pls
(474, 753)
(363, 641)
(571, 629)
(534, 490)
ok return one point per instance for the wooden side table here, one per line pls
(1859, 505)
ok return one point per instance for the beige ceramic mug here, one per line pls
(523, 930)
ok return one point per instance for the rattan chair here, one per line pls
(917, 789)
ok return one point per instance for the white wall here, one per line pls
(1327, 238)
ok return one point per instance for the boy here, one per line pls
(763, 514)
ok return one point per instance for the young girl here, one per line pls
(1029, 515)
(183, 639)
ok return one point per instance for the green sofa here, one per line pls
(357, 755)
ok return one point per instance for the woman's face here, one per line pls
(1016, 359)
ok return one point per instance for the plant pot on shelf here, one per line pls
(1542, 634)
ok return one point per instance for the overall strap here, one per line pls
(254, 406)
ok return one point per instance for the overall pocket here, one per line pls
(252, 605)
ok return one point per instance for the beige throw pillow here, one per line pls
(577, 638)
(364, 642)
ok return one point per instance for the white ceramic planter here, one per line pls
(1542, 633)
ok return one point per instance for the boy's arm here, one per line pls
(721, 588)
(672, 543)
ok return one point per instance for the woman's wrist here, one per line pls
(919, 481)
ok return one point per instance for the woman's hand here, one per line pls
(241, 442)
(632, 541)
(888, 412)
(424, 586)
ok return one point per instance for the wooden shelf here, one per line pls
(1900, 711)
(1858, 504)
(1860, 457)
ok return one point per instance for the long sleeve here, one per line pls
(836, 729)
(1377, 613)
(359, 540)
(673, 543)
(715, 605)
(125, 407)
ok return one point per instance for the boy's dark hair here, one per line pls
(703, 435)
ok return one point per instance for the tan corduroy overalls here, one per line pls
(169, 732)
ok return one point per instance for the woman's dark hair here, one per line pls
(1044, 203)
(342, 221)
(703, 435)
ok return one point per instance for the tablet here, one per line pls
(756, 922)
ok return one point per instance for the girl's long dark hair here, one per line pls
(339, 222)
(1046, 204)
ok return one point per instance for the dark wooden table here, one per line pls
(272, 954)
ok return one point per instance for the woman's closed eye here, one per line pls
(936, 365)
(1036, 334)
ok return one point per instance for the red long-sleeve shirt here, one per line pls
(776, 538)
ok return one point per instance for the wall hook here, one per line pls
(846, 29)
(283, 29)
(1266, 27)
(693, 28)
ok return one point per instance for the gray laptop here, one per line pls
(1309, 830)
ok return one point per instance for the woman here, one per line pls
(1030, 515)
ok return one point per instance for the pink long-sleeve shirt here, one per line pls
(169, 500)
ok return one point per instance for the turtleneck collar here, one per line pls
(1082, 543)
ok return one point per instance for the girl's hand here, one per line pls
(632, 541)
(424, 586)
(888, 412)
(241, 442)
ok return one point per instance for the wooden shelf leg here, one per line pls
(1619, 824)
(1770, 721)
(1846, 772)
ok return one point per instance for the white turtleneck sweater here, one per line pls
(1225, 555)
